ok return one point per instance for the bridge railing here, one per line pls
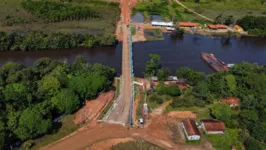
(130, 120)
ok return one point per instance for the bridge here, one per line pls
(121, 111)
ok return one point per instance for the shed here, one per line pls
(213, 126)
(191, 130)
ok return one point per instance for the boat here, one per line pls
(230, 65)
(220, 61)
(214, 62)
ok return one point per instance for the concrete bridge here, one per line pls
(121, 111)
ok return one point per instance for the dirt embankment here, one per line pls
(107, 144)
(93, 108)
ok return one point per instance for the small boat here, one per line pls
(230, 65)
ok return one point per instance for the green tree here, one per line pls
(16, 95)
(163, 74)
(32, 124)
(252, 144)
(2, 134)
(66, 101)
(191, 76)
(48, 87)
(231, 83)
(221, 111)
(80, 66)
(153, 65)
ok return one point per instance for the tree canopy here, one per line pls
(55, 12)
(32, 97)
(153, 65)
(38, 40)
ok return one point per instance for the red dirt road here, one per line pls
(94, 108)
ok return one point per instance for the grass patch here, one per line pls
(132, 29)
(117, 92)
(141, 102)
(151, 104)
(194, 142)
(139, 144)
(167, 10)
(237, 8)
(153, 34)
(224, 142)
(64, 127)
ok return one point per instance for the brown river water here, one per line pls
(175, 52)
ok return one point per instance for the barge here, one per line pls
(214, 62)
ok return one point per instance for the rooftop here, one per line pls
(188, 24)
(230, 100)
(217, 26)
(213, 125)
(237, 27)
(191, 127)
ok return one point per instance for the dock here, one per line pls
(214, 62)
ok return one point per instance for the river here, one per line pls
(174, 52)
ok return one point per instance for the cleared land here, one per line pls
(171, 10)
(237, 8)
(110, 12)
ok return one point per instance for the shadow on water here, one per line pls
(175, 52)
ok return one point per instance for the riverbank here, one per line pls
(38, 25)
(215, 33)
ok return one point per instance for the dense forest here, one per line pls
(245, 81)
(55, 12)
(254, 25)
(31, 98)
(37, 40)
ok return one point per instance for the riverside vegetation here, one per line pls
(67, 23)
(32, 98)
(246, 123)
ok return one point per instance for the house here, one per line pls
(213, 126)
(188, 24)
(217, 27)
(238, 28)
(191, 130)
(231, 101)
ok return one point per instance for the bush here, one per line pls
(157, 99)
(171, 90)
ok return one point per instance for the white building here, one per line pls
(191, 130)
(162, 23)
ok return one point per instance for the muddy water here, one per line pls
(174, 52)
